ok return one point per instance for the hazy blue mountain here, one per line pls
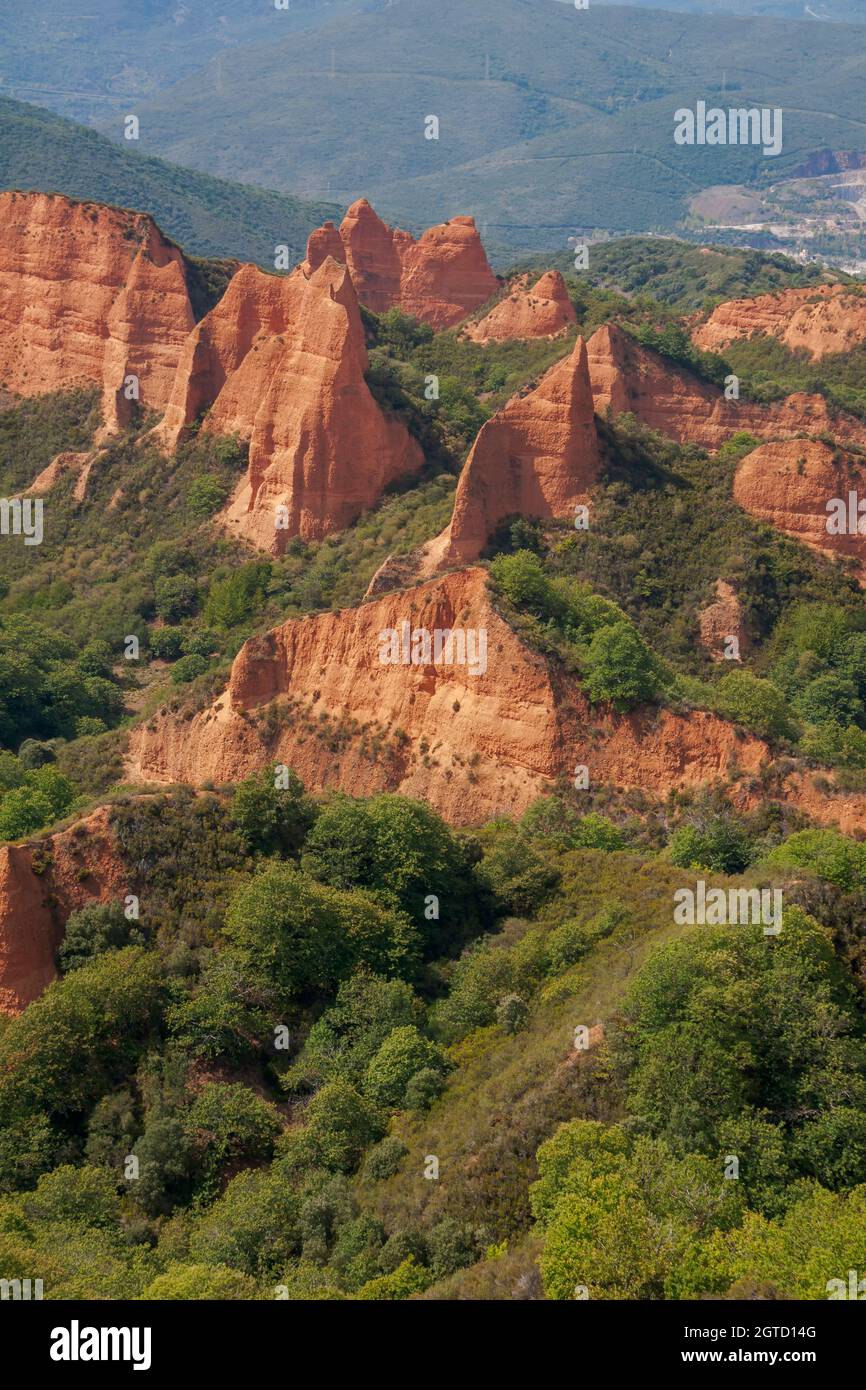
(83, 57)
(550, 118)
(208, 216)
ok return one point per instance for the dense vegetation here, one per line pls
(333, 1083)
(344, 1051)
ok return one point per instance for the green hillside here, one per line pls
(684, 276)
(93, 56)
(209, 216)
(551, 119)
(579, 1064)
(835, 11)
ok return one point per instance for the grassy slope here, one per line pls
(208, 216)
(573, 127)
(681, 275)
(509, 1093)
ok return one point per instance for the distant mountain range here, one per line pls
(550, 119)
(209, 216)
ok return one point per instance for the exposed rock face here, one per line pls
(629, 377)
(828, 162)
(60, 465)
(445, 273)
(89, 294)
(721, 621)
(789, 485)
(469, 744)
(538, 457)
(41, 884)
(280, 361)
(544, 311)
(440, 278)
(822, 319)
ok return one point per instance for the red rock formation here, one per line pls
(544, 311)
(790, 484)
(822, 319)
(538, 457)
(280, 362)
(722, 620)
(629, 377)
(469, 744)
(440, 278)
(89, 294)
(372, 255)
(41, 884)
(445, 273)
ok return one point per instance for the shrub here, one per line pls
(206, 494)
(302, 935)
(406, 1280)
(403, 1053)
(620, 668)
(166, 643)
(269, 818)
(92, 931)
(384, 1159)
(512, 1013)
(188, 668)
(719, 843)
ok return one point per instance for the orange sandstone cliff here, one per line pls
(440, 278)
(797, 485)
(629, 377)
(821, 320)
(41, 883)
(543, 311)
(316, 694)
(89, 295)
(280, 361)
(721, 621)
(538, 457)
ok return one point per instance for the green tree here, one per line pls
(620, 668)
(93, 930)
(234, 598)
(272, 818)
(759, 704)
(188, 1283)
(403, 1053)
(405, 853)
(302, 935)
(82, 1037)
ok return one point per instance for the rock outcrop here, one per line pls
(440, 278)
(79, 465)
(89, 295)
(626, 376)
(538, 457)
(543, 311)
(41, 884)
(821, 320)
(794, 484)
(316, 695)
(722, 627)
(280, 362)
